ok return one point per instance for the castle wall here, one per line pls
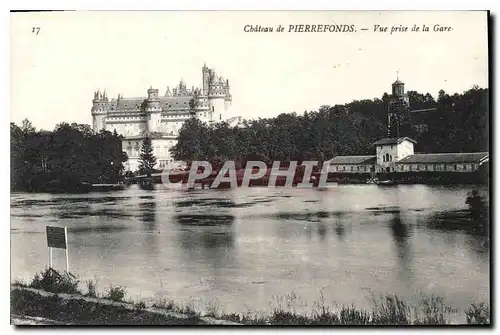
(217, 112)
(98, 122)
(154, 122)
(161, 150)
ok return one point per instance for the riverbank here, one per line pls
(53, 298)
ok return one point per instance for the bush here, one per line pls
(433, 311)
(353, 316)
(478, 314)
(52, 281)
(116, 293)
(140, 305)
(391, 311)
(478, 206)
(91, 288)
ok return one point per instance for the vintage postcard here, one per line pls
(250, 168)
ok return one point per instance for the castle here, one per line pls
(161, 117)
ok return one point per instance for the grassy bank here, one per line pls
(58, 297)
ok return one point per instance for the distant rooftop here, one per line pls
(353, 160)
(473, 157)
(393, 140)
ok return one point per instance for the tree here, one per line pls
(27, 127)
(69, 153)
(147, 160)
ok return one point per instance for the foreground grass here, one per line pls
(112, 309)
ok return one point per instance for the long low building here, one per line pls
(353, 164)
(454, 162)
(397, 155)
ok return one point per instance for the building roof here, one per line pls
(473, 157)
(353, 160)
(128, 103)
(175, 102)
(394, 140)
(398, 82)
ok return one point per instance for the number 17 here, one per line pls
(35, 30)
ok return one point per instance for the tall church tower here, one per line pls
(399, 106)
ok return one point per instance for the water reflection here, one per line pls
(148, 217)
(148, 213)
(206, 234)
(322, 230)
(400, 234)
(106, 208)
(339, 225)
(460, 221)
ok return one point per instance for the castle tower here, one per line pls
(206, 79)
(218, 91)
(99, 111)
(228, 99)
(153, 108)
(399, 105)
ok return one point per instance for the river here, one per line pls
(245, 249)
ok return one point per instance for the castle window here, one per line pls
(464, 167)
(455, 167)
(418, 167)
(337, 168)
(352, 168)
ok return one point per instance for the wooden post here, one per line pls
(66, 250)
(50, 257)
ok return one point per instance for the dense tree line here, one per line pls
(457, 123)
(69, 153)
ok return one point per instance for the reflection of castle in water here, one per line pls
(147, 208)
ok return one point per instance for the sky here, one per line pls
(54, 73)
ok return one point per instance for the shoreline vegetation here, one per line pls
(58, 297)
